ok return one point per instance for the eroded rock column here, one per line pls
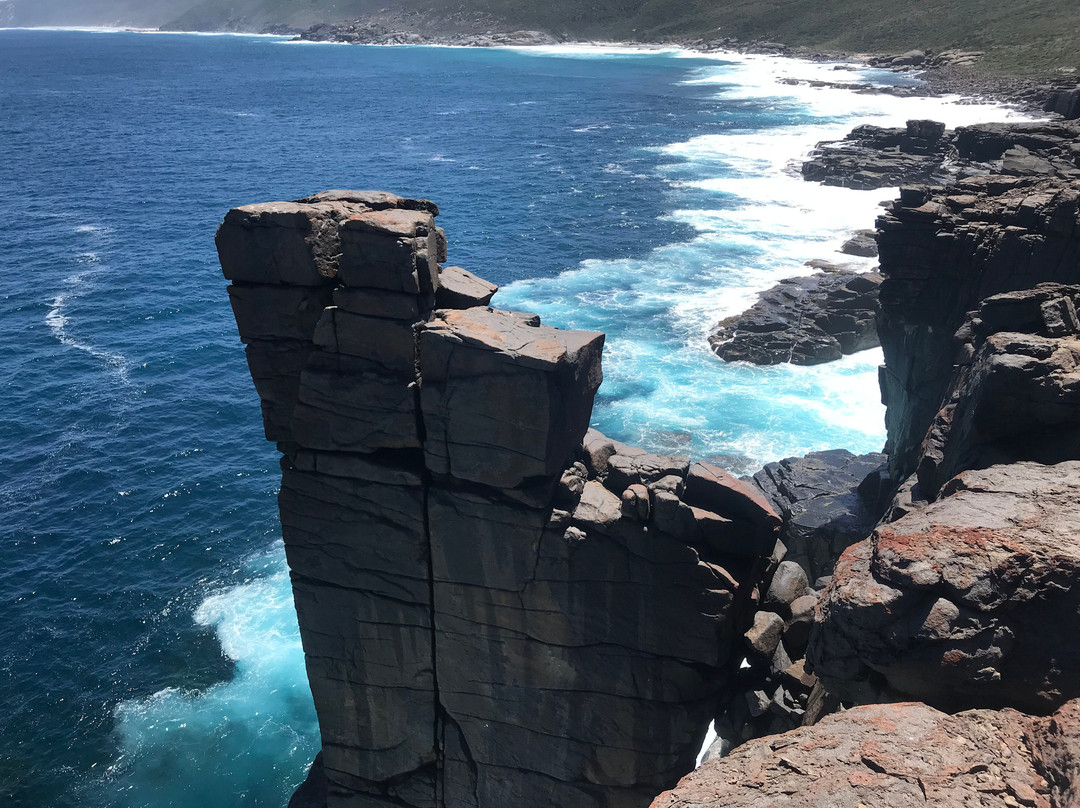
(496, 608)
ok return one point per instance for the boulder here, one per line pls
(969, 601)
(862, 244)
(460, 289)
(824, 502)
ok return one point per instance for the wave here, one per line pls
(183, 748)
(757, 222)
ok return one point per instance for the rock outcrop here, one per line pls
(497, 605)
(966, 601)
(924, 152)
(1015, 391)
(899, 755)
(877, 157)
(805, 321)
(944, 250)
(828, 501)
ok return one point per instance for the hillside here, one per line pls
(1021, 36)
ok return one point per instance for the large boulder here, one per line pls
(828, 501)
(972, 600)
(504, 398)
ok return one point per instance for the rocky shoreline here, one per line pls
(941, 73)
(499, 605)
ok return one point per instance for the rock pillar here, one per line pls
(496, 608)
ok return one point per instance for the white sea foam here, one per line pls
(263, 711)
(661, 380)
(591, 50)
(710, 736)
(75, 286)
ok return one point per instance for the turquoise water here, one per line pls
(148, 647)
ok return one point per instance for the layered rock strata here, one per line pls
(924, 152)
(877, 157)
(1015, 391)
(497, 607)
(899, 755)
(805, 321)
(944, 250)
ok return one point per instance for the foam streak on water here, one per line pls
(757, 222)
(77, 285)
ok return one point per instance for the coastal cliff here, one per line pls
(498, 606)
(501, 606)
(963, 596)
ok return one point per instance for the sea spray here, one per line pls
(263, 715)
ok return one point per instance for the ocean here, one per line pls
(148, 646)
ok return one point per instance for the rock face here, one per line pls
(497, 606)
(877, 157)
(972, 599)
(899, 755)
(925, 153)
(804, 321)
(942, 251)
(828, 501)
(1015, 392)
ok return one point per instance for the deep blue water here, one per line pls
(148, 649)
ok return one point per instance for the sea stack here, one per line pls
(498, 605)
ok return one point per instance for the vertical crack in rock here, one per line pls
(562, 611)
(438, 720)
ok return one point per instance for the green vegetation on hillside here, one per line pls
(1019, 36)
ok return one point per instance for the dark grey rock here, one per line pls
(764, 635)
(805, 321)
(822, 502)
(460, 289)
(788, 584)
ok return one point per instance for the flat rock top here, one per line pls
(892, 755)
(518, 335)
(376, 200)
(394, 221)
(290, 214)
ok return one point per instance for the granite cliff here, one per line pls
(501, 606)
(963, 595)
(498, 606)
